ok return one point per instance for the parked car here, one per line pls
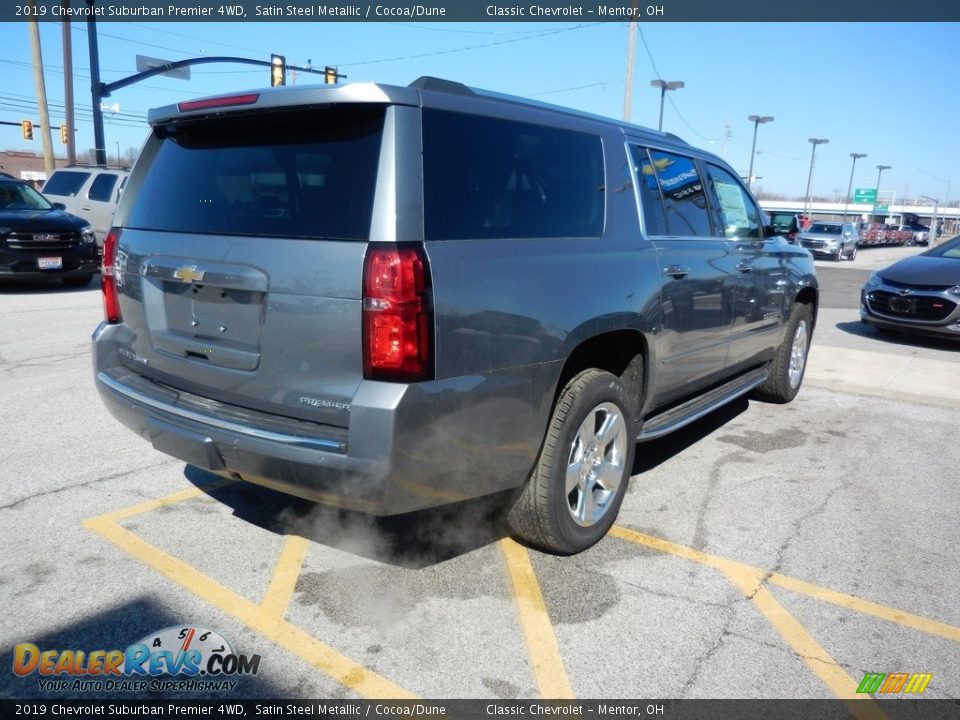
(39, 239)
(919, 294)
(833, 239)
(389, 298)
(91, 193)
(787, 224)
(921, 232)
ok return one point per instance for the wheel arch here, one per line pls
(622, 353)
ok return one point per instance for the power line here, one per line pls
(656, 72)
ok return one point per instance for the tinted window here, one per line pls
(288, 174)
(824, 228)
(683, 198)
(64, 182)
(101, 188)
(491, 178)
(17, 196)
(738, 215)
(654, 219)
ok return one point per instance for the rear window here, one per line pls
(303, 174)
(65, 183)
(825, 229)
(491, 178)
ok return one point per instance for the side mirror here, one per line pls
(59, 206)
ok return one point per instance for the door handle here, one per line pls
(744, 267)
(676, 271)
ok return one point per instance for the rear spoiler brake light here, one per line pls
(206, 104)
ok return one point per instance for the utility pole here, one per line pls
(68, 84)
(41, 90)
(631, 51)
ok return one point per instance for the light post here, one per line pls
(814, 142)
(665, 85)
(757, 120)
(855, 156)
(945, 197)
(932, 237)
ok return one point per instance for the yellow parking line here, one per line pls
(535, 622)
(750, 580)
(917, 622)
(285, 574)
(901, 617)
(820, 662)
(156, 504)
(288, 636)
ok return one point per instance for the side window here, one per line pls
(65, 183)
(738, 214)
(101, 189)
(486, 177)
(684, 201)
(648, 190)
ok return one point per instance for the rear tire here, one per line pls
(790, 362)
(575, 491)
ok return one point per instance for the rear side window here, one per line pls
(654, 218)
(304, 174)
(684, 200)
(101, 189)
(65, 183)
(492, 178)
(738, 215)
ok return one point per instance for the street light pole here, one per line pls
(855, 157)
(665, 85)
(814, 142)
(756, 120)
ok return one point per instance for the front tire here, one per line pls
(575, 491)
(790, 362)
(853, 253)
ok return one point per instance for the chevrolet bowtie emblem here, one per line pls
(188, 273)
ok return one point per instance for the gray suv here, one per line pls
(390, 298)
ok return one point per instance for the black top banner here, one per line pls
(566, 11)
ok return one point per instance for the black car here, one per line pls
(918, 294)
(39, 239)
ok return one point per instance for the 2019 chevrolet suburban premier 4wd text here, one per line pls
(389, 298)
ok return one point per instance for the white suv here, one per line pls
(91, 193)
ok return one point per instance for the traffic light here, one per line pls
(26, 126)
(278, 70)
(329, 75)
(63, 134)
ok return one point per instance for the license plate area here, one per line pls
(902, 305)
(209, 313)
(50, 263)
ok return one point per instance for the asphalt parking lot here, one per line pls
(766, 552)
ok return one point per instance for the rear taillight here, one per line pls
(397, 322)
(109, 278)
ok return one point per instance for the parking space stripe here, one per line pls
(813, 654)
(750, 580)
(156, 504)
(535, 622)
(851, 602)
(285, 574)
(352, 675)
